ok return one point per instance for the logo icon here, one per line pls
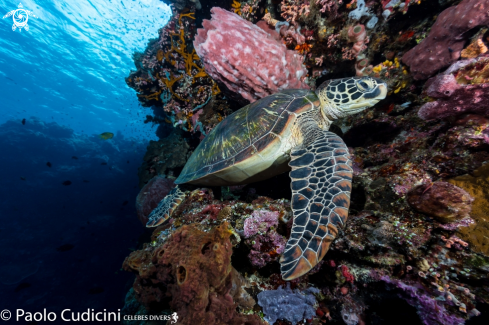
(20, 17)
(5, 315)
(174, 318)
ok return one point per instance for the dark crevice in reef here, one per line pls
(388, 309)
(239, 259)
(269, 269)
(357, 199)
(414, 16)
(371, 133)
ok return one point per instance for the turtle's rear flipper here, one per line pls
(165, 208)
(321, 184)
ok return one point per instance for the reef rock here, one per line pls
(255, 64)
(447, 38)
(194, 268)
(151, 194)
(444, 201)
(463, 88)
(163, 156)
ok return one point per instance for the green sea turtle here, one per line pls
(287, 131)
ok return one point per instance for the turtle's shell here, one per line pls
(247, 142)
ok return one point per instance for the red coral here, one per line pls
(346, 274)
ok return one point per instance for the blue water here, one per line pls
(67, 197)
(70, 66)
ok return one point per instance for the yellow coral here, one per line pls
(377, 68)
(189, 59)
(474, 49)
(236, 7)
(387, 63)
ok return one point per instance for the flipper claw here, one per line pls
(165, 208)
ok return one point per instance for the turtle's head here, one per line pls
(347, 96)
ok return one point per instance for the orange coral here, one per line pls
(159, 55)
(474, 73)
(180, 47)
(302, 48)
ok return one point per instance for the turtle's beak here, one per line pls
(383, 91)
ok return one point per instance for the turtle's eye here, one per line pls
(364, 85)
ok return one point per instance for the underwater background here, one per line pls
(106, 105)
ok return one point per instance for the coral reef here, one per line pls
(255, 65)
(417, 231)
(194, 268)
(163, 156)
(446, 39)
(170, 77)
(463, 88)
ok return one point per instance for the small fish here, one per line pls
(125, 202)
(128, 161)
(49, 164)
(23, 285)
(106, 136)
(96, 290)
(22, 178)
(23, 121)
(65, 248)
(66, 183)
(104, 163)
(74, 157)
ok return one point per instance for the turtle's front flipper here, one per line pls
(321, 184)
(165, 208)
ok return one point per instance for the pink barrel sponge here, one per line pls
(245, 58)
(447, 38)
